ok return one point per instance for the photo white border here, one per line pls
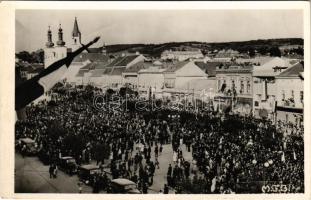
(7, 113)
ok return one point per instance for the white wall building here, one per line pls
(290, 95)
(265, 88)
(181, 55)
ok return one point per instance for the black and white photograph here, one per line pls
(158, 101)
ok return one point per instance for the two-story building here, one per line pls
(180, 74)
(290, 95)
(234, 89)
(151, 77)
(265, 88)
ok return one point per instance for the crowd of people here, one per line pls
(227, 151)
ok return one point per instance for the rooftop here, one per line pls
(208, 67)
(117, 71)
(93, 57)
(268, 69)
(136, 67)
(294, 71)
(177, 66)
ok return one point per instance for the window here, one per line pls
(301, 96)
(256, 103)
(293, 94)
(219, 84)
(248, 87)
(242, 87)
(283, 95)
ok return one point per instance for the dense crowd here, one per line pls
(227, 151)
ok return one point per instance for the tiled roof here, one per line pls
(117, 71)
(294, 71)
(138, 66)
(100, 65)
(208, 67)
(267, 69)
(93, 57)
(33, 68)
(107, 70)
(176, 66)
(115, 62)
(85, 69)
(89, 66)
(126, 60)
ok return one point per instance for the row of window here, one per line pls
(233, 85)
(292, 95)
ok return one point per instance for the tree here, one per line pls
(24, 56)
(33, 57)
(251, 52)
(275, 52)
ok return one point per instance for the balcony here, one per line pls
(287, 103)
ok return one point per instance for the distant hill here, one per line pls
(155, 50)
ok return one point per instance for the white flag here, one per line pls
(283, 157)
(295, 155)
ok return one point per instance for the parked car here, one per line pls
(68, 164)
(28, 146)
(123, 186)
(86, 173)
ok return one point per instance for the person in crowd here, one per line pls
(225, 150)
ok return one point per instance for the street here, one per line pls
(31, 176)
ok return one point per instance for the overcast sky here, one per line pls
(124, 26)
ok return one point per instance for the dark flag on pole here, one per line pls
(33, 88)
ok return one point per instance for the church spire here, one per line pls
(60, 41)
(49, 43)
(76, 32)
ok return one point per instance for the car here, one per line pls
(68, 164)
(86, 173)
(28, 146)
(123, 186)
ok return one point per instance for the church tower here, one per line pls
(51, 53)
(49, 43)
(60, 41)
(76, 36)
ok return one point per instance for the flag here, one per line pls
(283, 157)
(295, 158)
(213, 186)
(33, 88)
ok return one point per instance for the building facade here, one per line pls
(181, 55)
(290, 95)
(54, 53)
(265, 87)
(234, 89)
